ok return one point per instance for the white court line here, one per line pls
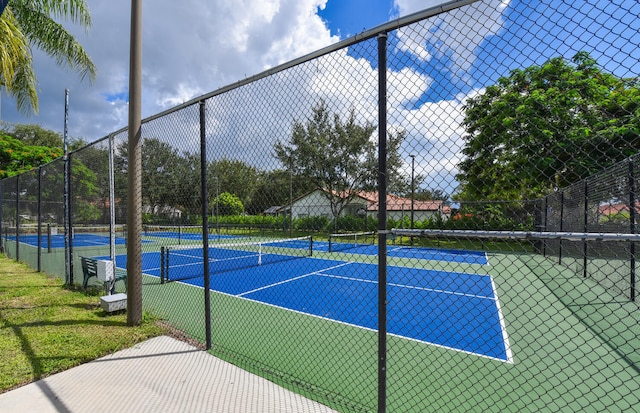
(412, 287)
(293, 279)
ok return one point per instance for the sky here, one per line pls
(193, 47)
(190, 48)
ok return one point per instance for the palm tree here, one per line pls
(27, 23)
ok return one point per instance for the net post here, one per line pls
(162, 260)
(49, 237)
(311, 245)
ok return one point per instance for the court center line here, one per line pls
(407, 286)
(293, 279)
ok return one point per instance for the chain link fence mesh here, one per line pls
(510, 133)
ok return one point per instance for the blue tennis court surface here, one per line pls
(79, 240)
(450, 309)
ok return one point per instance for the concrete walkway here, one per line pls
(159, 375)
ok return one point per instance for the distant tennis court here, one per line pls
(454, 310)
(57, 241)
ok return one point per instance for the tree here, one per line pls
(27, 23)
(228, 204)
(232, 176)
(33, 135)
(167, 175)
(338, 156)
(16, 157)
(546, 127)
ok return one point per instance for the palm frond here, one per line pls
(16, 69)
(77, 11)
(50, 36)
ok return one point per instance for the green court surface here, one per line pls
(574, 345)
(562, 360)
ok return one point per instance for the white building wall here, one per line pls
(312, 205)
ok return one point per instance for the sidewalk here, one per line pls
(159, 375)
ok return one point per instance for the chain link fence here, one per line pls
(435, 215)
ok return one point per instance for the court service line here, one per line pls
(292, 279)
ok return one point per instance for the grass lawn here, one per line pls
(46, 328)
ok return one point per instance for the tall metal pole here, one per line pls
(134, 176)
(68, 277)
(382, 223)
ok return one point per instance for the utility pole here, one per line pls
(134, 172)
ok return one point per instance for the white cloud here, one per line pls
(190, 47)
(455, 34)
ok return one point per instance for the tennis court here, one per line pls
(454, 310)
(57, 241)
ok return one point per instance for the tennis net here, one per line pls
(182, 262)
(172, 231)
(347, 241)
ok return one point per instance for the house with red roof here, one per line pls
(364, 203)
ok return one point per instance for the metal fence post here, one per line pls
(632, 230)
(586, 227)
(1, 214)
(561, 226)
(39, 220)
(17, 217)
(382, 222)
(205, 224)
(70, 218)
(112, 205)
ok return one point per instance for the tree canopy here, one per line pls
(546, 127)
(17, 157)
(335, 155)
(228, 204)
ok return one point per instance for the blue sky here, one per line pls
(350, 17)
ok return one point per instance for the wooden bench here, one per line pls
(90, 269)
